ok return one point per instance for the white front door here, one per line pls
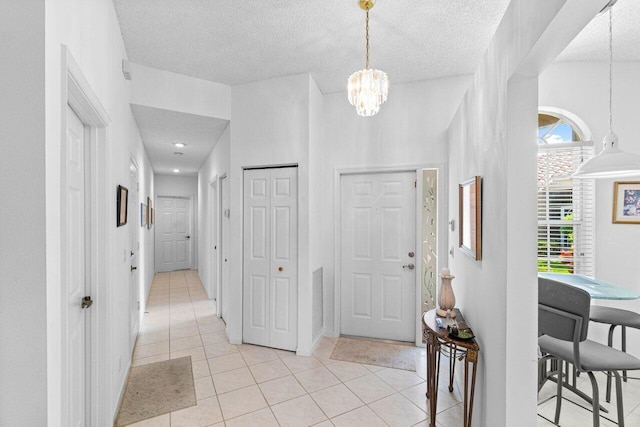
(224, 245)
(173, 234)
(377, 240)
(76, 387)
(134, 282)
(270, 279)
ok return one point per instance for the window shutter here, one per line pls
(565, 209)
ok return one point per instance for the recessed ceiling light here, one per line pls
(177, 153)
(179, 144)
(176, 171)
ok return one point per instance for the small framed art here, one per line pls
(122, 197)
(149, 212)
(144, 218)
(626, 202)
(470, 217)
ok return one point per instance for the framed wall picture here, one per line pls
(144, 219)
(626, 202)
(470, 212)
(122, 197)
(149, 209)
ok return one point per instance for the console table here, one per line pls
(438, 340)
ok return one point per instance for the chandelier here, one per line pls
(367, 88)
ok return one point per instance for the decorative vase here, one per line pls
(446, 298)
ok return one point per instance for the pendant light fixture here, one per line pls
(367, 88)
(611, 162)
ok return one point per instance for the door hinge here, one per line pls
(415, 183)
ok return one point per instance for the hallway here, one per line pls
(248, 385)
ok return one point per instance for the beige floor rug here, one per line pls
(376, 352)
(156, 389)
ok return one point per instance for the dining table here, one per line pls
(598, 289)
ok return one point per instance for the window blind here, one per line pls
(565, 209)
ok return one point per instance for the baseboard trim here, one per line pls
(309, 351)
(233, 340)
(122, 390)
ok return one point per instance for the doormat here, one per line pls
(376, 352)
(156, 389)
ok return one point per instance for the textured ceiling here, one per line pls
(592, 44)
(235, 42)
(159, 129)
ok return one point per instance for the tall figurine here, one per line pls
(446, 298)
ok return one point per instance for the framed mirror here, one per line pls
(470, 206)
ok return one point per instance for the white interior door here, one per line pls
(76, 387)
(378, 276)
(270, 279)
(173, 234)
(133, 222)
(224, 245)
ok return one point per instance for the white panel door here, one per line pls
(173, 234)
(76, 382)
(378, 276)
(270, 279)
(134, 281)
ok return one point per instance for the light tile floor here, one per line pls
(246, 385)
(572, 415)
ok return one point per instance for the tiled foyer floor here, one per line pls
(247, 385)
(255, 386)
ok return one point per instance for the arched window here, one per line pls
(565, 206)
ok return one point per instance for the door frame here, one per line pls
(134, 218)
(220, 215)
(78, 94)
(214, 233)
(442, 243)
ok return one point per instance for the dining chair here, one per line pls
(615, 317)
(563, 322)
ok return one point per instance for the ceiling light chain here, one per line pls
(366, 57)
(611, 69)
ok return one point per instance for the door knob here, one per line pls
(187, 237)
(87, 302)
(280, 268)
(133, 268)
(409, 266)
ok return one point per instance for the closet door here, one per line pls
(270, 277)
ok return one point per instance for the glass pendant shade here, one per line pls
(611, 162)
(367, 90)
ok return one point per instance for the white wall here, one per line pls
(23, 320)
(214, 167)
(182, 186)
(176, 92)
(410, 130)
(92, 34)
(270, 126)
(582, 88)
(493, 135)
(316, 120)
